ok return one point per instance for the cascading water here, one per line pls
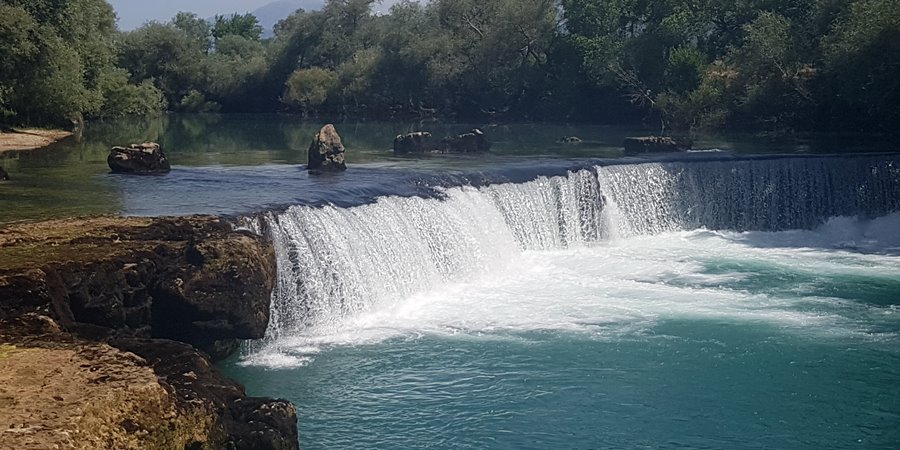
(335, 262)
(702, 304)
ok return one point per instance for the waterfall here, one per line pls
(334, 262)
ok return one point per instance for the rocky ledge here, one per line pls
(100, 324)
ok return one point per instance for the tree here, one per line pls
(244, 25)
(308, 89)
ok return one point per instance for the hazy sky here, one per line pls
(133, 13)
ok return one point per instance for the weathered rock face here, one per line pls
(125, 393)
(471, 142)
(190, 279)
(654, 144)
(84, 300)
(417, 142)
(326, 153)
(3, 175)
(146, 158)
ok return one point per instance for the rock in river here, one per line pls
(416, 142)
(143, 158)
(654, 144)
(326, 152)
(471, 142)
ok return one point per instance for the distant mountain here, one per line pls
(272, 13)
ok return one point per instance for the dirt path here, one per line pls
(29, 139)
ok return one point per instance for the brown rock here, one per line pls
(326, 152)
(190, 279)
(146, 158)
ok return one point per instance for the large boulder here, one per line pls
(3, 175)
(471, 142)
(654, 144)
(417, 142)
(146, 158)
(326, 152)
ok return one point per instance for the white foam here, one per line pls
(607, 291)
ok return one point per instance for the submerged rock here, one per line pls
(654, 144)
(3, 175)
(143, 158)
(570, 140)
(416, 142)
(471, 142)
(326, 152)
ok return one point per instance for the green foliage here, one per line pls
(57, 62)
(120, 98)
(308, 89)
(196, 102)
(683, 63)
(243, 25)
(860, 86)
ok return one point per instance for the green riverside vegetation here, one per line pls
(678, 64)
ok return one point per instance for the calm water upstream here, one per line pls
(546, 295)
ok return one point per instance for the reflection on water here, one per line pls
(71, 178)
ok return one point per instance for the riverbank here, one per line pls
(30, 139)
(101, 324)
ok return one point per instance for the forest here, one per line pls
(808, 65)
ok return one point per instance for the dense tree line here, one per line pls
(681, 64)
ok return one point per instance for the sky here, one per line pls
(133, 13)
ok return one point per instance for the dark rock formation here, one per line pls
(3, 175)
(95, 295)
(417, 142)
(471, 142)
(570, 140)
(326, 152)
(190, 279)
(422, 142)
(654, 144)
(146, 158)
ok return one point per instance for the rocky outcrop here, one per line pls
(654, 144)
(326, 152)
(146, 158)
(189, 279)
(96, 305)
(3, 175)
(416, 142)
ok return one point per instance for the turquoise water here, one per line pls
(688, 339)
